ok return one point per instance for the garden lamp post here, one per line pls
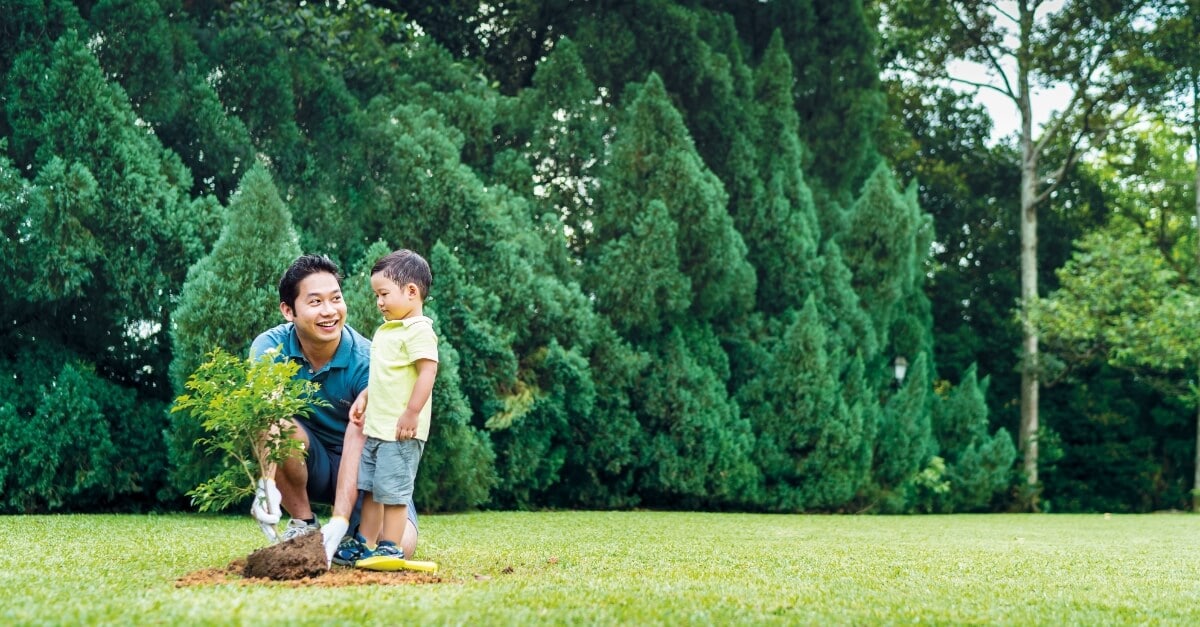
(901, 369)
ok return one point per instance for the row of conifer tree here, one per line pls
(670, 269)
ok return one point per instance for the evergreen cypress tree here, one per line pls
(884, 246)
(698, 449)
(809, 443)
(361, 311)
(880, 248)
(33, 25)
(781, 222)
(566, 138)
(256, 85)
(60, 205)
(149, 47)
(979, 465)
(608, 445)
(654, 161)
(851, 329)
(469, 315)
(697, 58)
(41, 466)
(231, 295)
(839, 95)
(912, 327)
(14, 205)
(459, 470)
(109, 205)
(905, 438)
(428, 196)
(661, 292)
(61, 104)
(834, 50)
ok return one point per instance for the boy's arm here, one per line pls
(358, 409)
(406, 426)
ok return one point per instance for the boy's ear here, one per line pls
(286, 311)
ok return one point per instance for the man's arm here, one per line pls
(347, 487)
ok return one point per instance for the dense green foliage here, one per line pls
(677, 248)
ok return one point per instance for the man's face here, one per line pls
(320, 311)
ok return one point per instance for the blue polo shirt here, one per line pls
(342, 379)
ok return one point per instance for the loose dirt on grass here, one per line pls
(298, 563)
(337, 577)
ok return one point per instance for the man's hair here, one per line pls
(403, 267)
(302, 268)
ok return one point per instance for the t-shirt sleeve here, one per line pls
(423, 344)
(263, 343)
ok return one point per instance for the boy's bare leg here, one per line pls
(372, 519)
(372, 523)
(395, 520)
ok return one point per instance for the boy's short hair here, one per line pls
(302, 268)
(405, 266)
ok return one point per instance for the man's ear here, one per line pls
(287, 312)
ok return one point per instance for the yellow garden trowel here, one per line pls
(390, 563)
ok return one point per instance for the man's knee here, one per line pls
(408, 542)
(296, 432)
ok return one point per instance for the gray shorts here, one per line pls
(388, 470)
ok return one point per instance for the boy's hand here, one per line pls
(358, 410)
(406, 427)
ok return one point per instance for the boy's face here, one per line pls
(395, 302)
(320, 312)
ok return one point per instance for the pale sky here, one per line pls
(1005, 118)
(1002, 110)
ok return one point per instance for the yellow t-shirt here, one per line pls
(395, 349)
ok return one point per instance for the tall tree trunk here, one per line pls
(1196, 472)
(1196, 193)
(1029, 335)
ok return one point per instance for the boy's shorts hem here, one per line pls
(388, 469)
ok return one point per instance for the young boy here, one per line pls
(394, 410)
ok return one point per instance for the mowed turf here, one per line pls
(670, 568)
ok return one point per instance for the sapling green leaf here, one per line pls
(246, 407)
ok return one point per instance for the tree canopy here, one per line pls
(678, 247)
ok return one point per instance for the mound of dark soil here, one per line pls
(292, 559)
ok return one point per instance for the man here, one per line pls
(336, 356)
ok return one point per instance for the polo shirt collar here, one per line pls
(341, 358)
(408, 322)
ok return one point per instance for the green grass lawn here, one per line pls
(633, 568)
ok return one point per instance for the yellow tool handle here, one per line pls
(388, 563)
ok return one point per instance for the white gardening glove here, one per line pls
(332, 533)
(266, 507)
